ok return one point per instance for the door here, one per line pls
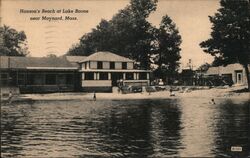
(239, 78)
(115, 76)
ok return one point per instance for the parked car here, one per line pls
(160, 88)
(131, 89)
(219, 81)
(137, 89)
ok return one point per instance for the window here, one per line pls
(50, 79)
(83, 66)
(4, 76)
(228, 77)
(35, 79)
(112, 65)
(99, 65)
(129, 76)
(69, 79)
(30, 79)
(61, 79)
(89, 76)
(21, 79)
(142, 76)
(4, 79)
(116, 76)
(103, 76)
(124, 65)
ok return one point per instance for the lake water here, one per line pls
(131, 128)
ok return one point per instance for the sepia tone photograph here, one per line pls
(124, 78)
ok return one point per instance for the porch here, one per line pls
(34, 81)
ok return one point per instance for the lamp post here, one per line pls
(8, 68)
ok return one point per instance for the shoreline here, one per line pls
(226, 93)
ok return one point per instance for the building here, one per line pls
(38, 75)
(187, 77)
(103, 70)
(98, 72)
(234, 72)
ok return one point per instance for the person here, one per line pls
(10, 97)
(213, 102)
(171, 92)
(94, 97)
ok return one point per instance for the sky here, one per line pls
(56, 37)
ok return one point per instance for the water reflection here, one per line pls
(142, 128)
(197, 133)
(232, 129)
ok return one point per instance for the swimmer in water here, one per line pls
(213, 102)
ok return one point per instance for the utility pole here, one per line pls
(190, 64)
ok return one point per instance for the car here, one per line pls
(137, 89)
(160, 88)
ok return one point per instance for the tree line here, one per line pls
(129, 34)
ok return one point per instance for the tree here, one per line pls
(13, 42)
(77, 50)
(204, 67)
(168, 48)
(230, 37)
(128, 34)
(51, 56)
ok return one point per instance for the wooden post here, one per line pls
(83, 76)
(109, 76)
(97, 76)
(147, 76)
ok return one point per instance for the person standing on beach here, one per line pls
(10, 97)
(94, 97)
(171, 92)
(213, 102)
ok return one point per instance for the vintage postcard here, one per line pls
(124, 78)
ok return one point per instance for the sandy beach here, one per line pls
(218, 92)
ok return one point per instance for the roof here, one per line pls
(75, 59)
(106, 56)
(224, 69)
(35, 62)
(229, 69)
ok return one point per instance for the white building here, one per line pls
(103, 70)
(235, 72)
